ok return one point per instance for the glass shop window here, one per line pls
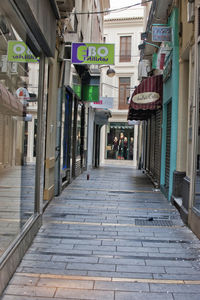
(19, 72)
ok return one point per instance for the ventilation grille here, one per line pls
(140, 222)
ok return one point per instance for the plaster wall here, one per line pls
(113, 30)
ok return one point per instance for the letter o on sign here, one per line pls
(19, 49)
(102, 51)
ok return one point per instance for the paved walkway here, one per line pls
(110, 238)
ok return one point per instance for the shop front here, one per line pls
(193, 206)
(146, 106)
(23, 70)
(66, 125)
(170, 110)
(77, 137)
(120, 141)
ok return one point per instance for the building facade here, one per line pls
(119, 139)
(25, 40)
(191, 186)
(170, 108)
(179, 167)
(78, 117)
(43, 114)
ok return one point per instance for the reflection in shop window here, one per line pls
(78, 132)
(18, 99)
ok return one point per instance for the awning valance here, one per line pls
(146, 98)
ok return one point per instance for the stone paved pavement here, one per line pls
(112, 237)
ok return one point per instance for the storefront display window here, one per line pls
(18, 115)
(120, 141)
(78, 132)
(66, 137)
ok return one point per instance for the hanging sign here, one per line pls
(23, 95)
(133, 122)
(90, 53)
(104, 103)
(161, 34)
(147, 97)
(19, 52)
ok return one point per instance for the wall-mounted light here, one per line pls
(110, 72)
(141, 46)
(144, 35)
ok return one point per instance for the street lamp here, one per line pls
(110, 72)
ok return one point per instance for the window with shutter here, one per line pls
(124, 92)
(125, 49)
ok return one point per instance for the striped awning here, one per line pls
(146, 98)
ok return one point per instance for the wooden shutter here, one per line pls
(124, 92)
(125, 49)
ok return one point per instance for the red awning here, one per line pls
(146, 98)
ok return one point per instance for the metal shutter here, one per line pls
(152, 145)
(157, 149)
(168, 145)
(148, 145)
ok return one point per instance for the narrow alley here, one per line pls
(110, 237)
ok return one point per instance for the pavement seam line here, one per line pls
(109, 190)
(109, 224)
(110, 279)
(136, 208)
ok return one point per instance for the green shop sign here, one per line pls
(19, 52)
(94, 54)
(90, 93)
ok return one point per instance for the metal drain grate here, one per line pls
(141, 222)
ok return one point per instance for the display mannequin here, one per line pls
(131, 149)
(115, 147)
(121, 146)
(125, 149)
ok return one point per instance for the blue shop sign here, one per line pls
(161, 34)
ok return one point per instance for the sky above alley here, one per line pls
(120, 3)
(135, 11)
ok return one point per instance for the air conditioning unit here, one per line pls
(3, 64)
(14, 67)
(144, 67)
(190, 12)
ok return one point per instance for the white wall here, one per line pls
(126, 23)
(113, 29)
